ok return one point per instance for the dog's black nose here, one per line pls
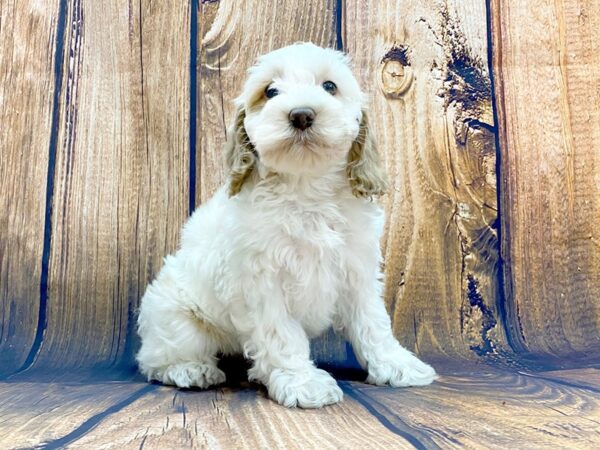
(302, 118)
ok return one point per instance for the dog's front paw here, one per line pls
(407, 370)
(309, 388)
(189, 374)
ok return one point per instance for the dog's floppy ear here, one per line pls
(240, 155)
(365, 172)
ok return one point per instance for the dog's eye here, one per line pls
(271, 92)
(330, 87)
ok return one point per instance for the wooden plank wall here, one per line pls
(114, 115)
(436, 129)
(121, 169)
(120, 186)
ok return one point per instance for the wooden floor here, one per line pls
(481, 407)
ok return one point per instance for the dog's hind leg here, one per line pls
(177, 348)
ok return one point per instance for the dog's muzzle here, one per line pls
(302, 118)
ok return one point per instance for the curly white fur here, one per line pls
(292, 253)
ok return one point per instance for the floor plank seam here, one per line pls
(363, 399)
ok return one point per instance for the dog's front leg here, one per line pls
(367, 326)
(279, 349)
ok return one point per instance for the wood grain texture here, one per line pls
(27, 36)
(231, 36)
(495, 410)
(547, 64)
(33, 413)
(240, 419)
(121, 191)
(425, 66)
(585, 377)
(474, 407)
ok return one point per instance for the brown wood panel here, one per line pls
(27, 36)
(425, 67)
(547, 65)
(231, 36)
(121, 192)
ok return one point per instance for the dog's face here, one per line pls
(301, 113)
(303, 108)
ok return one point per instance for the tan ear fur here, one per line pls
(365, 172)
(240, 154)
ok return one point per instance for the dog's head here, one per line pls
(301, 112)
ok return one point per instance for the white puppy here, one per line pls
(287, 248)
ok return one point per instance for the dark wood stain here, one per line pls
(398, 53)
(467, 81)
(488, 320)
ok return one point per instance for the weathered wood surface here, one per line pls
(475, 408)
(586, 377)
(547, 65)
(121, 191)
(34, 412)
(425, 65)
(27, 83)
(498, 410)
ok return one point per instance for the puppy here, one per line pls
(288, 247)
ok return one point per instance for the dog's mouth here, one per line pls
(307, 141)
(303, 136)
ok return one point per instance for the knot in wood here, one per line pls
(396, 73)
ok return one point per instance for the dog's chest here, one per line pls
(312, 263)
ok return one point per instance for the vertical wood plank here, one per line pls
(27, 84)
(232, 35)
(122, 169)
(547, 65)
(425, 65)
